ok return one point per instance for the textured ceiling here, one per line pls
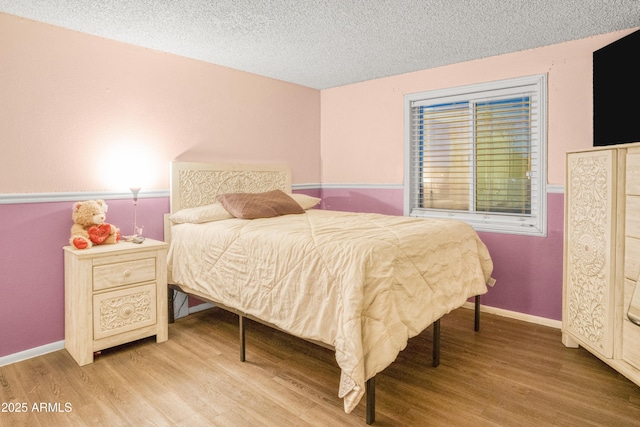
(328, 43)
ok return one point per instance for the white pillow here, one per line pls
(306, 202)
(200, 214)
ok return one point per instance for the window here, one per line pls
(478, 153)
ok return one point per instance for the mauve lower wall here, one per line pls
(529, 270)
(31, 262)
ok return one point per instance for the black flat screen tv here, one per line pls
(616, 92)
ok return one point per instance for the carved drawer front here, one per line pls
(590, 261)
(123, 273)
(123, 310)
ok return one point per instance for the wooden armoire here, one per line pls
(602, 255)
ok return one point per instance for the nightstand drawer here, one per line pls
(124, 273)
(123, 310)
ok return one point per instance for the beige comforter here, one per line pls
(362, 283)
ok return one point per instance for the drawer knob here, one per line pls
(127, 273)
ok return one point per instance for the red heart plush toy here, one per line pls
(99, 233)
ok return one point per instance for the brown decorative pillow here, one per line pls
(259, 205)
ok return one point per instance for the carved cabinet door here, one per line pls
(590, 250)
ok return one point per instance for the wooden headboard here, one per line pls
(196, 184)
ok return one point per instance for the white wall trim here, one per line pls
(200, 307)
(555, 188)
(20, 198)
(363, 186)
(305, 186)
(551, 188)
(31, 353)
(181, 305)
(557, 324)
(15, 199)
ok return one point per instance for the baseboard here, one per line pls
(48, 348)
(32, 352)
(483, 308)
(200, 307)
(557, 324)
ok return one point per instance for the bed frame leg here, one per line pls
(476, 325)
(370, 390)
(241, 328)
(436, 343)
(171, 314)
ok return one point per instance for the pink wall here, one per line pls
(82, 106)
(363, 123)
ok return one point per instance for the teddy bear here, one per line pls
(89, 226)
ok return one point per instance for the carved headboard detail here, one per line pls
(197, 184)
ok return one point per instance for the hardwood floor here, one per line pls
(510, 373)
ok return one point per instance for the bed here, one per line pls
(359, 283)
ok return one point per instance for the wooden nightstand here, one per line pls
(114, 294)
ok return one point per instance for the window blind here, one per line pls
(478, 153)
